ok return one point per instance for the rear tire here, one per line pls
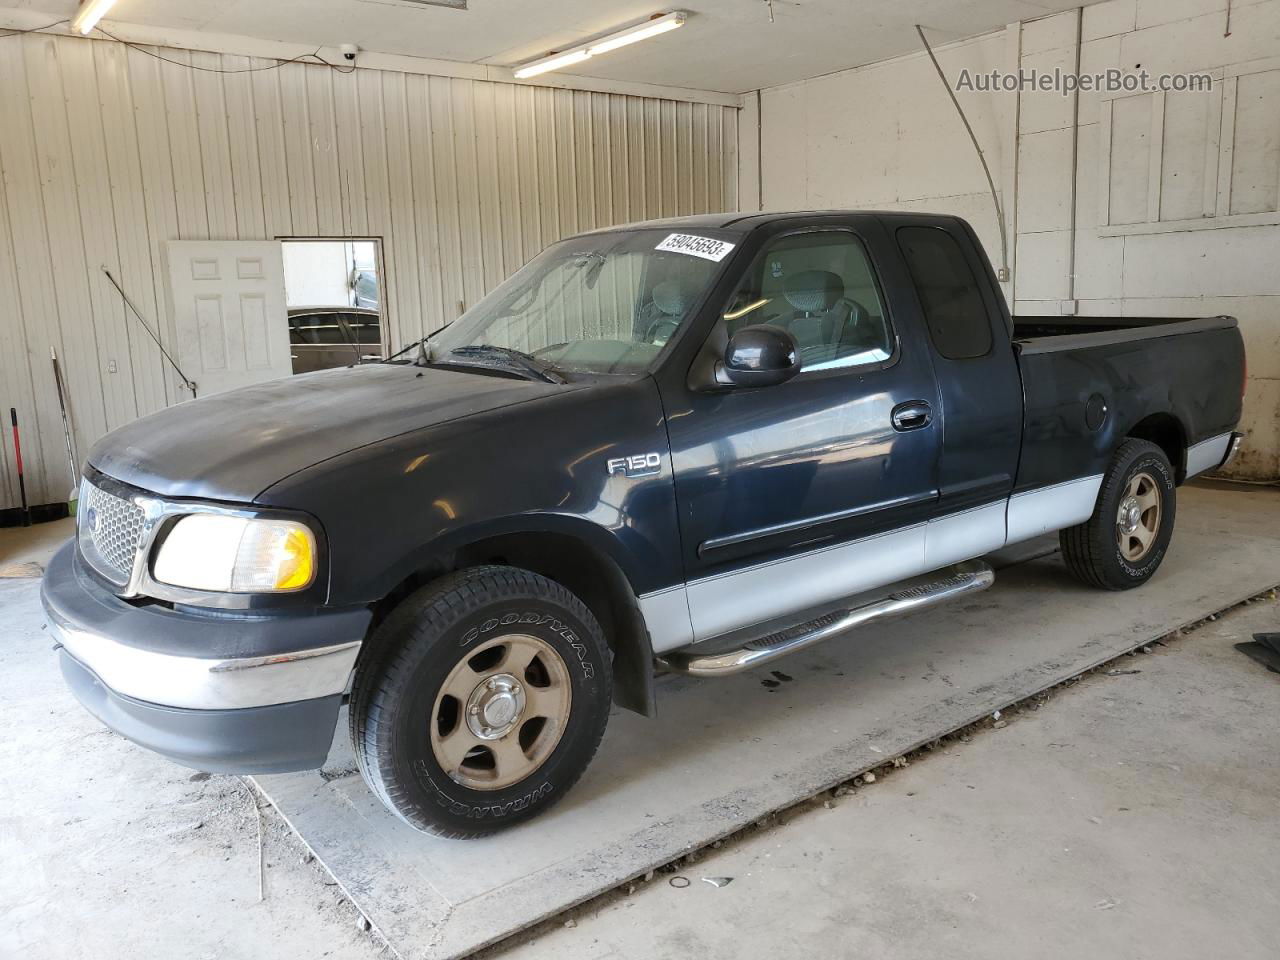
(484, 701)
(1122, 545)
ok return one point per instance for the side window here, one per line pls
(821, 287)
(954, 310)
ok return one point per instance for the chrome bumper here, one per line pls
(189, 661)
(198, 683)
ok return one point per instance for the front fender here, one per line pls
(634, 557)
(392, 508)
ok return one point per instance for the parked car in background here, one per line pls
(324, 337)
(689, 446)
(365, 288)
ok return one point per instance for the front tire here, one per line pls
(1122, 545)
(484, 701)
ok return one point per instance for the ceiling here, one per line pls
(726, 45)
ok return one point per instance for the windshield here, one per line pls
(603, 303)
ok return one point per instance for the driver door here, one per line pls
(794, 495)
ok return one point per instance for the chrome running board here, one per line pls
(968, 577)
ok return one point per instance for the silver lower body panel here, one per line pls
(1211, 454)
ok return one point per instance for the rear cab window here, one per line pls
(954, 310)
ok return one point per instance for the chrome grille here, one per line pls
(110, 531)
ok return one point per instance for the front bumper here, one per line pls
(228, 694)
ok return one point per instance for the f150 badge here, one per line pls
(638, 465)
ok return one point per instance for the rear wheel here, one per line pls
(1123, 543)
(483, 703)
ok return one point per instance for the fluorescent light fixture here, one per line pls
(621, 38)
(552, 63)
(643, 32)
(90, 12)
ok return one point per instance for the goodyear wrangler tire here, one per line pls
(1122, 545)
(484, 700)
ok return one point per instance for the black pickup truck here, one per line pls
(689, 446)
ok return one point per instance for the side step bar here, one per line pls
(968, 577)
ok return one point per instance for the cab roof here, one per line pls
(745, 221)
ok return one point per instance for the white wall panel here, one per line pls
(886, 136)
(1255, 153)
(109, 152)
(1176, 196)
(1176, 193)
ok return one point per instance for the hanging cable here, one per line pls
(313, 57)
(1075, 163)
(15, 32)
(309, 58)
(995, 198)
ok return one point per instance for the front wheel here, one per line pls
(484, 701)
(1122, 545)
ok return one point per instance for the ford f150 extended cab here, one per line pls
(689, 446)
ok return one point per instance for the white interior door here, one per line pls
(227, 301)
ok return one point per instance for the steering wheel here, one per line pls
(661, 330)
(863, 332)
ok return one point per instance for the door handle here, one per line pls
(911, 415)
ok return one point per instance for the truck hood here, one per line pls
(234, 445)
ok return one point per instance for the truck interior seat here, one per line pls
(669, 301)
(816, 297)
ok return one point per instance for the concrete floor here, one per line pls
(25, 551)
(108, 852)
(1134, 815)
(979, 850)
(723, 753)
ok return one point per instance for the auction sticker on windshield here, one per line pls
(694, 246)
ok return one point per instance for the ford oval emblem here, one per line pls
(91, 518)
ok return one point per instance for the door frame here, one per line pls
(384, 302)
(902, 546)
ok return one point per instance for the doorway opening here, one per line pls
(333, 292)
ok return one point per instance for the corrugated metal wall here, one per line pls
(107, 152)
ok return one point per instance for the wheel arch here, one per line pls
(576, 554)
(1167, 432)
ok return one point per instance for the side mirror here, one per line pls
(759, 356)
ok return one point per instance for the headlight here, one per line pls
(207, 551)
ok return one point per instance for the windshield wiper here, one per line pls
(421, 341)
(594, 262)
(515, 358)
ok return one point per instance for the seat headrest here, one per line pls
(672, 298)
(813, 291)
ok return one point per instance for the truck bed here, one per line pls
(1054, 334)
(1131, 367)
